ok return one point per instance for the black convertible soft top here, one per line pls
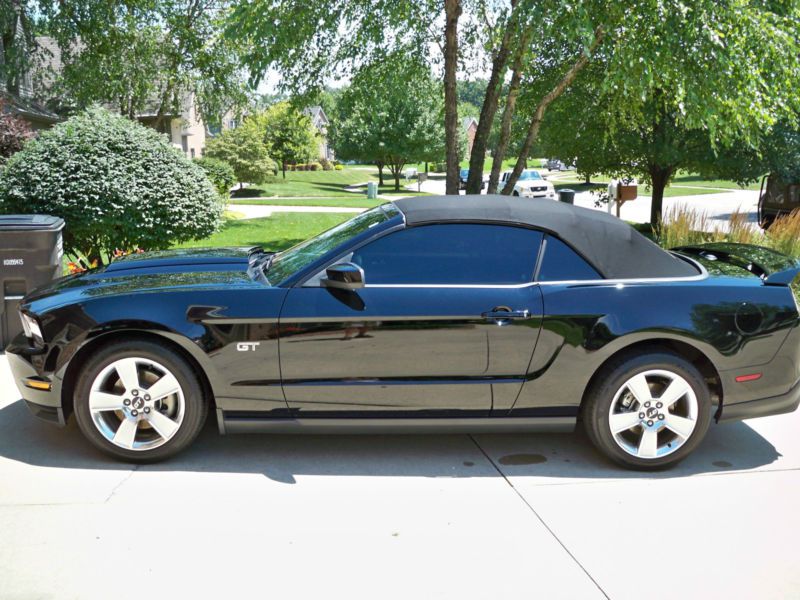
(612, 246)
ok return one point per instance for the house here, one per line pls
(17, 93)
(185, 128)
(27, 93)
(320, 121)
(470, 127)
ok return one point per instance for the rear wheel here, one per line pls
(648, 411)
(139, 401)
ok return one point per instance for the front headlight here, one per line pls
(31, 328)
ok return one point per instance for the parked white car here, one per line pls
(530, 185)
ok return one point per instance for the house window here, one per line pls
(192, 152)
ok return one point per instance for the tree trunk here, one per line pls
(380, 173)
(452, 13)
(536, 122)
(505, 126)
(659, 178)
(396, 168)
(489, 108)
(283, 168)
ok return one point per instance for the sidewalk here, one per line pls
(256, 211)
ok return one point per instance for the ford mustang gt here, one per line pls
(447, 314)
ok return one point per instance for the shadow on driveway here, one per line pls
(549, 457)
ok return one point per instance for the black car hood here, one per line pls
(183, 257)
(204, 268)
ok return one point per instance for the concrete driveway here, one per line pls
(505, 516)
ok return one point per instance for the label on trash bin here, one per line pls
(13, 262)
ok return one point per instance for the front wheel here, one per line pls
(648, 411)
(139, 401)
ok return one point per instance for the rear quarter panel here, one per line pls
(738, 324)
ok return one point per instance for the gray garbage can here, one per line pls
(30, 256)
(567, 196)
(372, 190)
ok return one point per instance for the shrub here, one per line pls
(314, 166)
(219, 173)
(338, 167)
(244, 150)
(326, 164)
(116, 183)
(683, 225)
(784, 234)
(742, 231)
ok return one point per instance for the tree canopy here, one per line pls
(143, 56)
(288, 134)
(244, 150)
(391, 115)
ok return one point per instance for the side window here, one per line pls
(562, 263)
(455, 254)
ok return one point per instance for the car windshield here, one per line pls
(303, 254)
(529, 175)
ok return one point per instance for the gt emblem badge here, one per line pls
(247, 346)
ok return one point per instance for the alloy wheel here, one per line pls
(653, 414)
(136, 403)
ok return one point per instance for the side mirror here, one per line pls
(344, 276)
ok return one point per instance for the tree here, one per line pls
(390, 115)
(702, 71)
(244, 150)
(727, 67)
(117, 184)
(145, 56)
(14, 132)
(219, 173)
(288, 134)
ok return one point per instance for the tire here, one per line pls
(516, 193)
(635, 391)
(127, 422)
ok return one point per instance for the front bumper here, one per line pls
(530, 194)
(763, 407)
(45, 404)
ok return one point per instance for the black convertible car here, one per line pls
(471, 313)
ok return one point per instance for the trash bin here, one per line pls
(372, 190)
(30, 256)
(567, 196)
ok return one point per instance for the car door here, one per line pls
(572, 313)
(444, 326)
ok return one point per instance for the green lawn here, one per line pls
(352, 200)
(322, 184)
(696, 180)
(278, 232)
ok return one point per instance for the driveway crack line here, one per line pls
(538, 516)
(121, 483)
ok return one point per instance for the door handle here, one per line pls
(506, 315)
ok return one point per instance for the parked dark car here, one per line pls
(554, 164)
(777, 198)
(447, 314)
